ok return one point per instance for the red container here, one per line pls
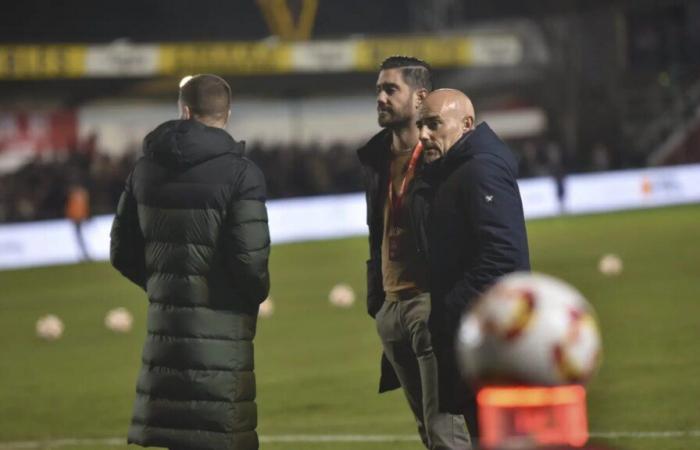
(517, 417)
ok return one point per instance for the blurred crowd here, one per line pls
(42, 188)
(295, 171)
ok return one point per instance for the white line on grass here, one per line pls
(338, 438)
(58, 443)
(644, 434)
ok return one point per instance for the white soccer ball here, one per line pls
(342, 295)
(610, 265)
(529, 328)
(49, 327)
(119, 320)
(267, 308)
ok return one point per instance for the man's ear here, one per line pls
(468, 123)
(185, 112)
(421, 94)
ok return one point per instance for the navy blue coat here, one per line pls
(469, 216)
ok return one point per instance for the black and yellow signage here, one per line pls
(267, 57)
(439, 52)
(42, 61)
(228, 58)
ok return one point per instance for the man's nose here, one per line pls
(381, 98)
(423, 134)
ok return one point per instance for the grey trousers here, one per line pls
(403, 328)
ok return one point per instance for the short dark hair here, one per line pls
(415, 72)
(207, 96)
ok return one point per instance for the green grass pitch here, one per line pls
(317, 365)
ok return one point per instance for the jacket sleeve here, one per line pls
(490, 200)
(127, 246)
(246, 237)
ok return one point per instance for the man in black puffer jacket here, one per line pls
(191, 230)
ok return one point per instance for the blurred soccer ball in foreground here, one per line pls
(119, 320)
(342, 295)
(49, 327)
(529, 329)
(266, 308)
(610, 265)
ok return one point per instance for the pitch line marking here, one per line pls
(330, 438)
(644, 434)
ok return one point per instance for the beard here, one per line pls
(431, 154)
(389, 118)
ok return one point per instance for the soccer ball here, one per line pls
(119, 320)
(266, 308)
(342, 295)
(610, 265)
(529, 328)
(49, 327)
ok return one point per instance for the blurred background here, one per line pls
(582, 91)
(573, 86)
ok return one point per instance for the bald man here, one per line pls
(446, 116)
(474, 230)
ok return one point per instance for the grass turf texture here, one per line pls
(317, 365)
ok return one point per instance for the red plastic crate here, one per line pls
(512, 417)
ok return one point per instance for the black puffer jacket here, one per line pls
(191, 229)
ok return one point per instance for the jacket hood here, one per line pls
(184, 143)
(482, 140)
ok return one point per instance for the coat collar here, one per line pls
(478, 141)
(376, 152)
